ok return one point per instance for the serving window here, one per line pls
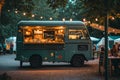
(43, 34)
(77, 34)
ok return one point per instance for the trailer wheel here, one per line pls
(35, 61)
(77, 61)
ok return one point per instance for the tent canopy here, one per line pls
(102, 42)
(94, 39)
(117, 40)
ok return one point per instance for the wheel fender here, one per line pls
(78, 55)
(34, 56)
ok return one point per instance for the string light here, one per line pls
(97, 26)
(96, 19)
(33, 15)
(100, 27)
(84, 20)
(113, 18)
(63, 19)
(8, 10)
(16, 12)
(50, 18)
(41, 17)
(24, 13)
(113, 30)
(70, 19)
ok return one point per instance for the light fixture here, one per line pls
(24, 13)
(63, 19)
(50, 18)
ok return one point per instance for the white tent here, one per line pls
(102, 41)
(94, 39)
(11, 40)
(117, 40)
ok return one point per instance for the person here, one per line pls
(11, 48)
(101, 57)
(118, 47)
(115, 62)
(114, 51)
(94, 49)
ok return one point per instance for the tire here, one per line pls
(35, 61)
(77, 61)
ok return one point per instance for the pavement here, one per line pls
(51, 71)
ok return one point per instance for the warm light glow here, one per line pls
(63, 19)
(33, 15)
(60, 31)
(24, 13)
(41, 17)
(61, 27)
(84, 19)
(100, 27)
(70, 19)
(38, 32)
(96, 19)
(16, 12)
(8, 10)
(27, 33)
(113, 18)
(1, 4)
(50, 18)
(89, 22)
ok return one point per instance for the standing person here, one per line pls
(94, 50)
(11, 48)
(118, 47)
(115, 63)
(101, 58)
(114, 51)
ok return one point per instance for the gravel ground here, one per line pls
(50, 71)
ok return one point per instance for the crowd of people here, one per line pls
(113, 52)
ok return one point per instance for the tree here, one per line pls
(12, 12)
(95, 12)
(43, 11)
(72, 10)
(1, 5)
(57, 3)
(96, 9)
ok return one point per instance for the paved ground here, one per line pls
(50, 71)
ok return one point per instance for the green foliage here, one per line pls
(71, 10)
(57, 3)
(8, 30)
(9, 17)
(42, 9)
(97, 8)
(57, 9)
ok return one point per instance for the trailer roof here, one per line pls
(50, 23)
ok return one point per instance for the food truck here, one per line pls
(53, 41)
